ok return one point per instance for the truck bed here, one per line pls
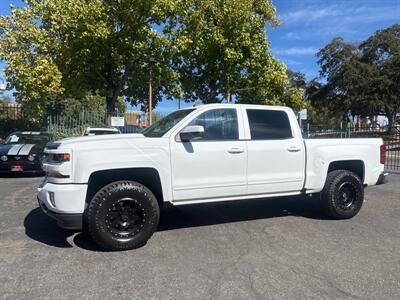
(364, 152)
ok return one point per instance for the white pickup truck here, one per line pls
(114, 186)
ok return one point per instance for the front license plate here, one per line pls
(16, 168)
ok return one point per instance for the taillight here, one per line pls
(383, 154)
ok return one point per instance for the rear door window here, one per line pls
(269, 124)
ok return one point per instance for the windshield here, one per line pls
(159, 128)
(23, 138)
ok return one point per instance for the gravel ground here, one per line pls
(254, 249)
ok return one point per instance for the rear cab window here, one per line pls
(269, 124)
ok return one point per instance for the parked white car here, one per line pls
(115, 185)
(100, 131)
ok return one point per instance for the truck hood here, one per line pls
(115, 151)
(110, 144)
(99, 139)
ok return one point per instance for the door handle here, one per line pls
(236, 150)
(294, 149)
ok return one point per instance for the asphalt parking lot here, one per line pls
(263, 249)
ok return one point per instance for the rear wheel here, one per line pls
(343, 194)
(122, 215)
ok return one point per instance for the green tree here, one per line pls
(57, 50)
(321, 110)
(363, 79)
(221, 51)
(296, 79)
(381, 54)
(91, 102)
(4, 100)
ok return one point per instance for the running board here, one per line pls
(234, 198)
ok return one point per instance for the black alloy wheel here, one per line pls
(346, 196)
(125, 218)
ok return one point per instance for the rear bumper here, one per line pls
(382, 178)
(67, 221)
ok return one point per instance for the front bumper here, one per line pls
(27, 167)
(67, 221)
(63, 202)
(382, 178)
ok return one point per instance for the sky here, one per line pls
(307, 25)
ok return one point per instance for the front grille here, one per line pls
(17, 158)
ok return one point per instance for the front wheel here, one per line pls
(343, 194)
(123, 215)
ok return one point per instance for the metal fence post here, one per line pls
(349, 129)
(341, 129)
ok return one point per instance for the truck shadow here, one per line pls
(43, 229)
(238, 211)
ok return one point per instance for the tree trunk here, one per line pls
(391, 120)
(213, 92)
(112, 100)
(110, 105)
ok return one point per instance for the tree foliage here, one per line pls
(4, 100)
(221, 52)
(58, 52)
(363, 79)
(290, 92)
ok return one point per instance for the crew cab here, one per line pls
(114, 186)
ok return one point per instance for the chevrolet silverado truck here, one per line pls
(113, 186)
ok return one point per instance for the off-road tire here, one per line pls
(121, 203)
(338, 184)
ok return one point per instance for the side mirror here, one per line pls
(190, 133)
(2, 142)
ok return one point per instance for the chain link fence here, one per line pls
(13, 117)
(61, 126)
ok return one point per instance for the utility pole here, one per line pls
(152, 61)
(228, 98)
(3, 85)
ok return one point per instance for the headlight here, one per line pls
(57, 165)
(4, 158)
(31, 158)
(58, 157)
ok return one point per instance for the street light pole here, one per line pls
(151, 63)
(150, 100)
(3, 85)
